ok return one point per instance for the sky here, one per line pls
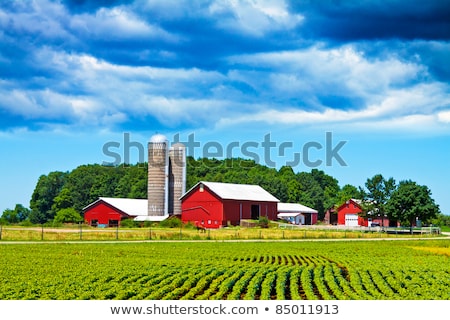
(353, 88)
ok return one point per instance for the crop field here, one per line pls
(360, 270)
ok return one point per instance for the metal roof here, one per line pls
(137, 208)
(233, 191)
(295, 207)
(133, 207)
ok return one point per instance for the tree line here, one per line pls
(61, 196)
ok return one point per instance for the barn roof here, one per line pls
(137, 208)
(233, 191)
(294, 208)
(132, 207)
(358, 202)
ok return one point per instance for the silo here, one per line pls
(158, 176)
(177, 177)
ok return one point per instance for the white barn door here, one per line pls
(351, 220)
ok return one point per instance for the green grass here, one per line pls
(208, 270)
(87, 233)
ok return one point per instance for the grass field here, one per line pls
(226, 270)
(74, 233)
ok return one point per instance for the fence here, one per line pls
(284, 231)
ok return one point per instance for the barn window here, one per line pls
(202, 188)
(209, 221)
(216, 222)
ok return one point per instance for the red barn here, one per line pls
(215, 204)
(108, 212)
(348, 215)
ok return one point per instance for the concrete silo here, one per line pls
(177, 177)
(158, 176)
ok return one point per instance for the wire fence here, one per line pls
(284, 231)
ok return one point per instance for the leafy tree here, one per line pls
(19, 214)
(379, 191)
(330, 188)
(67, 215)
(441, 220)
(347, 192)
(42, 199)
(63, 200)
(312, 195)
(411, 201)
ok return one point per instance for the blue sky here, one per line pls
(75, 75)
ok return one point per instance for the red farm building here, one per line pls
(349, 215)
(108, 212)
(215, 204)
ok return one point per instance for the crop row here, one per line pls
(221, 271)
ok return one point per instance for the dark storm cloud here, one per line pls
(363, 20)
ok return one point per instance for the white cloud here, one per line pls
(45, 19)
(317, 71)
(413, 108)
(117, 23)
(444, 116)
(87, 90)
(253, 17)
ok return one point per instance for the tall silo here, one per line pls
(177, 177)
(158, 176)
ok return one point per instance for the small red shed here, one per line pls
(108, 212)
(349, 215)
(216, 204)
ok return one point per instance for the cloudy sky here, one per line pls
(76, 75)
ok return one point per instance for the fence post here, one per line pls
(150, 231)
(117, 231)
(1, 229)
(42, 232)
(81, 231)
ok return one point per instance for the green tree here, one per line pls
(441, 220)
(347, 192)
(19, 214)
(63, 200)
(311, 193)
(379, 191)
(330, 189)
(67, 215)
(42, 199)
(411, 202)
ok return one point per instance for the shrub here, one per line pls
(263, 222)
(171, 223)
(128, 223)
(67, 215)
